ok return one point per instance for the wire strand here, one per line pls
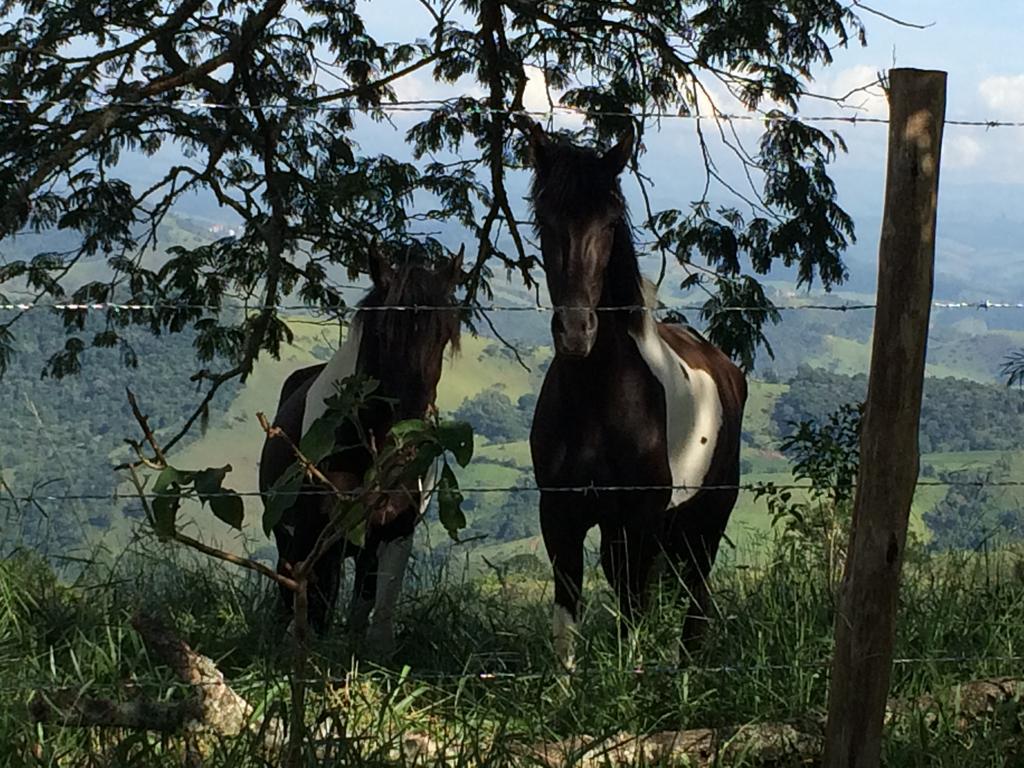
(457, 105)
(763, 487)
(350, 310)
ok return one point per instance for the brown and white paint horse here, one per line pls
(403, 351)
(627, 401)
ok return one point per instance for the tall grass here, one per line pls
(764, 658)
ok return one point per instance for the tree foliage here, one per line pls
(956, 414)
(976, 512)
(282, 86)
(493, 415)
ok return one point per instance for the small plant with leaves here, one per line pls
(173, 484)
(410, 450)
(406, 460)
(826, 456)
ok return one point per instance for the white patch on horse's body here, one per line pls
(563, 629)
(693, 409)
(341, 365)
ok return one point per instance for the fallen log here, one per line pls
(70, 708)
(212, 708)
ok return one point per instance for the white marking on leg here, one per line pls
(693, 412)
(563, 629)
(359, 613)
(392, 558)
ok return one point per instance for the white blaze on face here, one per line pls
(341, 365)
(563, 630)
(693, 412)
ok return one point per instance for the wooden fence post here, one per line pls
(889, 459)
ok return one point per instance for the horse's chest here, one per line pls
(651, 421)
(600, 430)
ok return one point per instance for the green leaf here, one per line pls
(417, 467)
(280, 497)
(457, 437)
(319, 440)
(449, 503)
(165, 510)
(167, 499)
(352, 522)
(229, 508)
(167, 477)
(208, 482)
(408, 426)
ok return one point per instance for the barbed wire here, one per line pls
(457, 104)
(762, 487)
(353, 309)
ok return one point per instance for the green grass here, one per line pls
(765, 659)
(517, 452)
(850, 356)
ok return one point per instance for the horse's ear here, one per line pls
(455, 268)
(540, 142)
(619, 156)
(381, 271)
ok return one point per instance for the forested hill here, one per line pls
(956, 414)
(62, 436)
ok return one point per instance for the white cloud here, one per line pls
(1004, 94)
(535, 97)
(423, 87)
(858, 88)
(961, 151)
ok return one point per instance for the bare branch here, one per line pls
(893, 19)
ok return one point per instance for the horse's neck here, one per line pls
(342, 364)
(626, 291)
(623, 284)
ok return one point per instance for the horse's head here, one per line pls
(578, 209)
(403, 348)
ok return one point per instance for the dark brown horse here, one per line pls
(627, 401)
(403, 350)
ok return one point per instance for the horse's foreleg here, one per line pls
(392, 558)
(563, 536)
(363, 590)
(695, 552)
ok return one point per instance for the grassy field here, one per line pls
(764, 660)
(484, 606)
(235, 438)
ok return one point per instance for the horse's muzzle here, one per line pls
(574, 331)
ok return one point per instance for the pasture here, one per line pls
(765, 661)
